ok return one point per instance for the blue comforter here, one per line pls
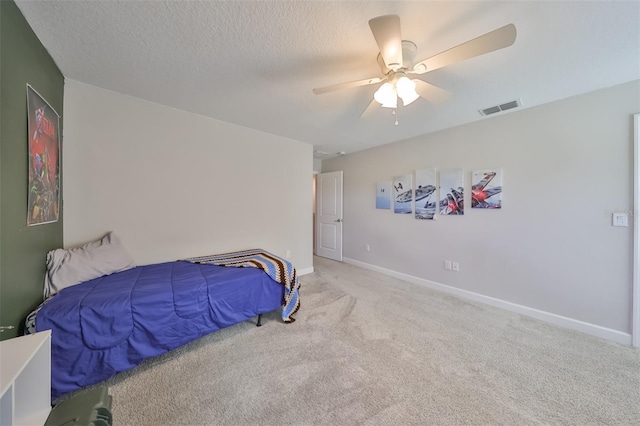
(110, 324)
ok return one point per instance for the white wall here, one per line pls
(174, 184)
(552, 248)
(317, 165)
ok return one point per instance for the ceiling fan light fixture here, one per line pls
(404, 85)
(386, 96)
(406, 90)
(406, 100)
(391, 103)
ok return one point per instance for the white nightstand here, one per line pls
(25, 379)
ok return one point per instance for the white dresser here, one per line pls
(25, 379)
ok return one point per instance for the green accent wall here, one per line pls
(23, 59)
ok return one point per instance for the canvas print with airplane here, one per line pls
(425, 194)
(486, 192)
(486, 189)
(383, 195)
(403, 194)
(451, 192)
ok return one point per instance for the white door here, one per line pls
(329, 215)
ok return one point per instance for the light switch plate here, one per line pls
(620, 219)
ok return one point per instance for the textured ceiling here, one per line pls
(254, 63)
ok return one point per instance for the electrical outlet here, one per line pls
(367, 247)
(288, 254)
(455, 266)
(447, 265)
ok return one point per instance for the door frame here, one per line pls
(635, 321)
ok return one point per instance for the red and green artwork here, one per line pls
(44, 160)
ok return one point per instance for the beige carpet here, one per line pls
(373, 350)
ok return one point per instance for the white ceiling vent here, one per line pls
(502, 107)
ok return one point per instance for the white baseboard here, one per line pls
(304, 271)
(559, 320)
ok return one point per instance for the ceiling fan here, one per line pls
(396, 60)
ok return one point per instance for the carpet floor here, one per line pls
(368, 349)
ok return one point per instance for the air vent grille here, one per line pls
(491, 110)
(499, 108)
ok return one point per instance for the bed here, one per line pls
(111, 323)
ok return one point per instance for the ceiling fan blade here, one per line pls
(386, 31)
(373, 106)
(494, 40)
(348, 85)
(430, 92)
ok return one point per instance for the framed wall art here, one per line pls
(451, 192)
(486, 189)
(426, 194)
(383, 195)
(402, 194)
(44, 160)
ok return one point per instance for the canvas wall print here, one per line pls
(452, 192)
(425, 194)
(402, 194)
(383, 195)
(44, 160)
(486, 189)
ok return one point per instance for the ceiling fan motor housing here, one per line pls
(409, 50)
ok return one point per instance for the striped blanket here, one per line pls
(277, 268)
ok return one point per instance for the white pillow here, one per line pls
(95, 259)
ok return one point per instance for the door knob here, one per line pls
(338, 220)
